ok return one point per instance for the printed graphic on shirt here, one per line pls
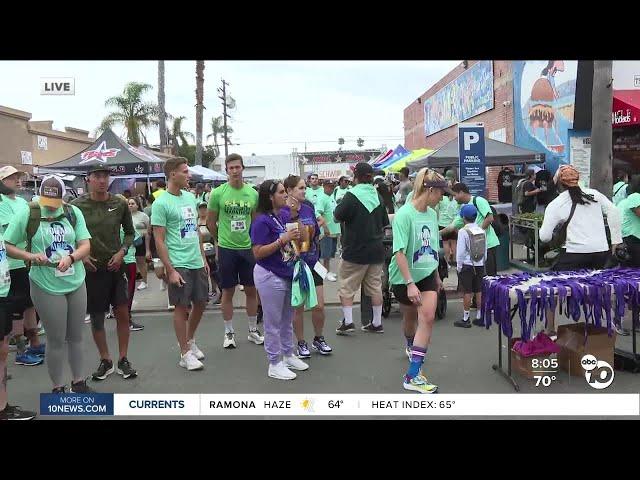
(423, 255)
(58, 248)
(5, 276)
(189, 229)
(237, 212)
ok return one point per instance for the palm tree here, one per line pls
(161, 107)
(199, 108)
(176, 133)
(132, 112)
(217, 128)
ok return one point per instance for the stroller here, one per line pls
(443, 272)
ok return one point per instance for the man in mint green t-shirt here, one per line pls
(175, 228)
(329, 242)
(232, 207)
(630, 208)
(484, 220)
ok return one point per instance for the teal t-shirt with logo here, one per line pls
(10, 207)
(315, 196)
(5, 276)
(56, 239)
(179, 215)
(235, 207)
(630, 221)
(484, 209)
(417, 235)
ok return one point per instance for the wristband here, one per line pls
(409, 282)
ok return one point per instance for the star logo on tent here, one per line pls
(100, 154)
(338, 158)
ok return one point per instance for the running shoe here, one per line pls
(321, 346)
(195, 350)
(332, 277)
(419, 384)
(294, 363)
(135, 327)
(28, 359)
(81, 387)
(256, 337)
(125, 369)
(12, 412)
(142, 286)
(343, 328)
(302, 350)
(478, 322)
(371, 328)
(462, 323)
(104, 370)
(190, 362)
(281, 372)
(229, 340)
(37, 351)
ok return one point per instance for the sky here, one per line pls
(281, 105)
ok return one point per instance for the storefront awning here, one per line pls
(626, 108)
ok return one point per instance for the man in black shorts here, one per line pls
(106, 278)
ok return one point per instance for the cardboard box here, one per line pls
(523, 365)
(572, 341)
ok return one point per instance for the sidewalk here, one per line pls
(152, 299)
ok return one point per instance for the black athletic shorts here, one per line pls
(317, 279)
(106, 288)
(6, 322)
(141, 250)
(471, 279)
(19, 296)
(567, 262)
(427, 284)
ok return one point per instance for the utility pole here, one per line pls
(601, 129)
(223, 90)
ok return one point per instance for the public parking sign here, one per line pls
(471, 154)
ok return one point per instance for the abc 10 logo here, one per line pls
(599, 374)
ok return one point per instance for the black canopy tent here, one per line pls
(114, 153)
(498, 154)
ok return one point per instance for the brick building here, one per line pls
(498, 121)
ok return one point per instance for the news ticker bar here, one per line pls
(212, 405)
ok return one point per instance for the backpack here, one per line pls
(497, 226)
(477, 244)
(35, 218)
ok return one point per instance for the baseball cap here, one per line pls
(344, 177)
(52, 191)
(363, 169)
(7, 171)
(98, 168)
(328, 181)
(469, 212)
(202, 204)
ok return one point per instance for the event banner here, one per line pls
(268, 405)
(471, 154)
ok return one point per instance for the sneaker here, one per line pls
(229, 340)
(142, 286)
(12, 412)
(135, 327)
(478, 322)
(371, 328)
(332, 277)
(195, 350)
(302, 350)
(281, 372)
(28, 359)
(104, 370)
(242, 288)
(343, 328)
(407, 352)
(81, 387)
(620, 330)
(87, 319)
(59, 390)
(37, 351)
(321, 346)
(462, 324)
(125, 369)
(420, 384)
(170, 307)
(256, 337)
(190, 362)
(260, 314)
(294, 363)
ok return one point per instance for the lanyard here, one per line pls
(275, 219)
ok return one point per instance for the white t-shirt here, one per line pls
(585, 233)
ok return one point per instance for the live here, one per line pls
(57, 87)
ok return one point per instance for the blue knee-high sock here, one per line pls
(417, 359)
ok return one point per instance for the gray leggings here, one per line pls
(63, 320)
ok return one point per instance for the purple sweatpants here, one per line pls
(275, 296)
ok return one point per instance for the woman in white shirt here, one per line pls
(586, 246)
(143, 251)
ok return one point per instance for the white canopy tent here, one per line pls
(207, 173)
